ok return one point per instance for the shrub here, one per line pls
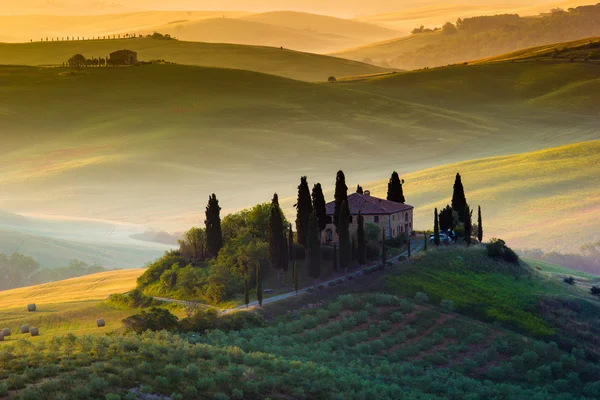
(156, 319)
(110, 396)
(448, 305)
(570, 280)
(595, 290)
(133, 299)
(406, 306)
(421, 297)
(498, 249)
(335, 309)
(322, 316)
(396, 316)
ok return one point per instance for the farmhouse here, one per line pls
(395, 219)
(123, 57)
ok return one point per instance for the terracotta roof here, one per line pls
(369, 205)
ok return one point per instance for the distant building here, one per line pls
(395, 219)
(123, 57)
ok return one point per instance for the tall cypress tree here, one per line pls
(425, 241)
(468, 225)
(319, 205)
(361, 242)
(246, 294)
(395, 191)
(313, 250)
(345, 244)
(277, 245)
(214, 235)
(479, 226)
(341, 199)
(295, 273)
(353, 249)
(290, 239)
(436, 228)
(459, 201)
(259, 291)
(334, 261)
(359, 189)
(304, 209)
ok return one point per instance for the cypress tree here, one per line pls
(341, 199)
(362, 243)
(354, 250)
(313, 250)
(277, 245)
(383, 253)
(335, 258)
(304, 210)
(425, 241)
(359, 189)
(259, 292)
(468, 225)
(479, 226)
(436, 228)
(290, 243)
(459, 201)
(246, 294)
(395, 191)
(214, 235)
(345, 244)
(318, 201)
(295, 273)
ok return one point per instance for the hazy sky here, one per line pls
(346, 8)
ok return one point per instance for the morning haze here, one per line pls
(299, 199)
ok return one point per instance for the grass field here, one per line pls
(270, 60)
(178, 132)
(70, 306)
(551, 269)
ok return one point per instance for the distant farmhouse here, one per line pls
(123, 57)
(395, 219)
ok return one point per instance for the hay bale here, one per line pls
(25, 329)
(6, 332)
(31, 307)
(101, 323)
(34, 332)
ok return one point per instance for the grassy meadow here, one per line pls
(69, 306)
(269, 60)
(177, 132)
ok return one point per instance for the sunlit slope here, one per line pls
(23, 28)
(148, 144)
(90, 287)
(546, 199)
(290, 64)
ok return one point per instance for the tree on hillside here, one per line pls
(304, 210)
(436, 228)
(278, 252)
(359, 189)
(214, 236)
(77, 61)
(290, 238)
(259, 291)
(193, 244)
(448, 218)
(341, 199)
(313, 250)
(395, 192)
(459, 201)
(361, 242)
(449, 28)
(319, 205)
(468, 225)
(479, 226)
(344, 238)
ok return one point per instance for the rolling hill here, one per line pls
(480, 37)
(544, 199)
(290, 64)
(242, 134)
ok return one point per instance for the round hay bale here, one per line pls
(6, 332)
(34, 332)
(25, 329)
(1, 337)
(101, 323)
(31, 307)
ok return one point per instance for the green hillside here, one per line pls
(216, 130)
(274, 61)
(480, 37)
